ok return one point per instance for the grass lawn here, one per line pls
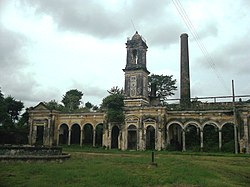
(98, 167)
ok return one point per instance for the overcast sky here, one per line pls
(48, 47)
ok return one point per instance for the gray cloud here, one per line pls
(92, 18)
(83, 16)
(232, 56)
(14, 80)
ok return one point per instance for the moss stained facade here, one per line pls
(148, 124)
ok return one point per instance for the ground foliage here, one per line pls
(117, 168)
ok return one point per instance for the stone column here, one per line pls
(156, 137)
(31, 131)
(58, 136)
(120, 139)
(159, 146)
(235, 139)
(94, 137)
(49, 126)
(34, 134)
(246, 135)
(168, 140)
(81, 137)
(69, 137)
(220, 139)
(104, 137)
(109, 138)
(183, 140)
(202, 146)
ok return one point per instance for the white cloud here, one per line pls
(49, 47)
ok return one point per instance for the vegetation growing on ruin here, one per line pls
(113, 105)
(165, 85)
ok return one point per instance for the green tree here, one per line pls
(72, 99)
(54, 105)
(115, 90)
(3, 113)
(13, 108)
(89, 105)
(24, 120)
(165, 85)
(113, 104)
(95, 107)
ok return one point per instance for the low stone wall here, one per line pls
(32, 153)
(30, 150)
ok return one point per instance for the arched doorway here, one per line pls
(132, 137)
(228, 143)
(88, 134)
(98, 135)
(63, 134)
(211, 137)
(150, 137)
(39, 135)
(75, 134)
(192, 137)
(175, 137)
(114, 137)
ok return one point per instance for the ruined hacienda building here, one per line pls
(148, 124)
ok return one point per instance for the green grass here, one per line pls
(99, 167)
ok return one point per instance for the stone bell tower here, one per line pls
(136, 73)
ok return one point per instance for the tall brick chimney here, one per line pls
(185, 80)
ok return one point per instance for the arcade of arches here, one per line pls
(148, 124)
(152, 129)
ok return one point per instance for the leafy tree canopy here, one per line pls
(113, 104)
(89, 105)
(165, 85)
(115, 90)
(3, 112)
(72, 99)
(54, 105)
(10, 110)
(13, 108)
(113, 101)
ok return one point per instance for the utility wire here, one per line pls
(203, 49)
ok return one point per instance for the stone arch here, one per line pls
(228, 139)
(132, 119)
(114, 137)
(150, 137)
(98, 134)
(226, 123)
(192, 135)
(213, 123)
(63, 131)
(174, 122)
(194, 123)
(88, 134)
(132, 137)
(211, 136)
(75, 134)
(174, 135)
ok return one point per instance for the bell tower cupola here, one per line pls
(136, 73)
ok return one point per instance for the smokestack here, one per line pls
(185, 80)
